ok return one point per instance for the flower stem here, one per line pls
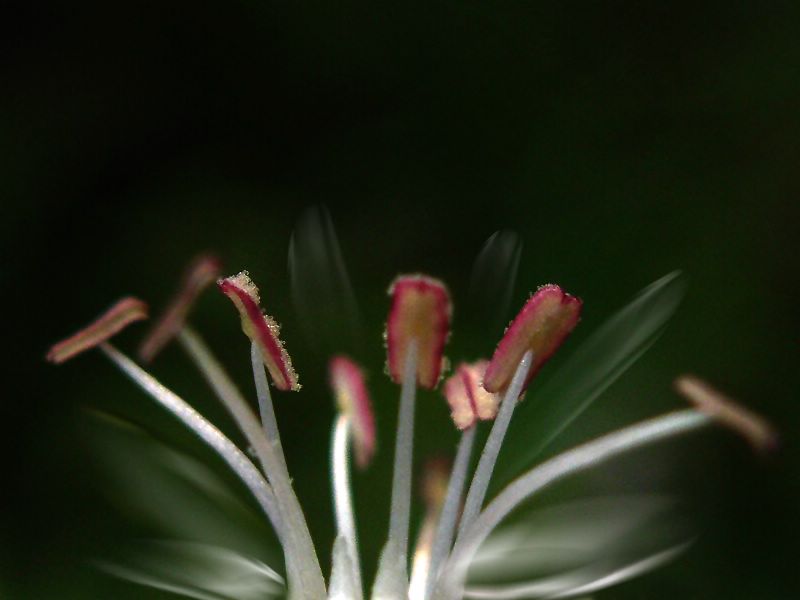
(391, 581)
(539, 478)
(343, 502)
(204, 429)
(483, 473)
(452, 504)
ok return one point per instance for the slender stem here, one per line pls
(265, 406)
(452, 504)
(342, 497)
(206, 431)
(403, 454)
(303, 570)
(342, 585)
(391, 580)
(483, 473)
(534, 481)
(224, 388)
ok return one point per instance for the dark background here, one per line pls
(620, 140)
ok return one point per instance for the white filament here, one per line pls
(304, 573)
(342, 585)
(343, 501)
(265, 406)
(391, 581)
(212, 436)
(483, 473)
(452, 504)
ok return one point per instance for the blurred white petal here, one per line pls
(563, 537)
(589, 579)
(200, 571)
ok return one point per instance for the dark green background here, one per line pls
(620, 140)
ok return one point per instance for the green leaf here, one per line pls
(591, 369)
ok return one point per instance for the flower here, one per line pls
(459, 523)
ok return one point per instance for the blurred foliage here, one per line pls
(620, 140)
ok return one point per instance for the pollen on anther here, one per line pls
(349, 387)
(542, 325)
(421, 312)
(467, 398)
(261, 329)
(115, 319)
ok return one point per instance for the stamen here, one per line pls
(343, 502)
(541, 326)
(420, 311)
(754, 428)
(391, 581)
(114, 320)
(483, 473)
(347, 381)
(202, 272)
(536, 480)
(261, 329)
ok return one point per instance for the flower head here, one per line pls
(451, 537)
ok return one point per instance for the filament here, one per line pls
(452, 504)
(342, 497)
(483, 473)
(204, 429)
(265, 407)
